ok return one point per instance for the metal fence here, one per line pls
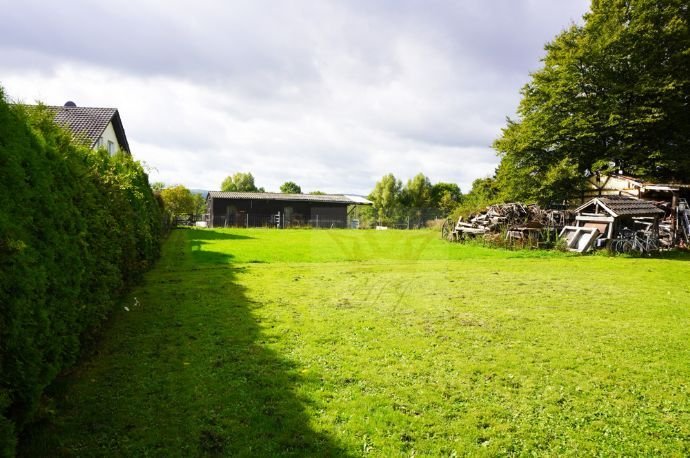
(275, 221)
(188, 219)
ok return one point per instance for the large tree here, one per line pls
(445, 197)
(416, 198)
(612, 96)
(240, 182)
(179, 200)
(386, 199)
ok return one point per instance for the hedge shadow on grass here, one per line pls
(206, 234)
(186, 373)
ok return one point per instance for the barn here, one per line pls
(267, 209)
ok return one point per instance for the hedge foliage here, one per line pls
(77, 227)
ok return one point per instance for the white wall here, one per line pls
(108, 135)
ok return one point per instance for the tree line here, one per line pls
(393, 203)
(413, 203)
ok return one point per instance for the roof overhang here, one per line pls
(120, 132)
(651, 211)
(333, 199)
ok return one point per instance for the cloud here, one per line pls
(331, 95)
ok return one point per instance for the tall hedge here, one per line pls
(77, 227)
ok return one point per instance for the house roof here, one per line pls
(635, 183)
(623, 206)
(319, 198)
(89, 123)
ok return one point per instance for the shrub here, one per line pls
(77, 227)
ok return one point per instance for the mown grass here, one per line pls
(346, 343)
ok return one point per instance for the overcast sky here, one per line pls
(329, 94)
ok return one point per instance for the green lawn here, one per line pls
(389, 343)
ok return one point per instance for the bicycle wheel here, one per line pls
(626, 246)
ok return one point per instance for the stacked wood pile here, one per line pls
(519, 221)
(674, 228)
(666, 236)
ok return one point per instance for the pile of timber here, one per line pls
(517, 219)
(674, 228)
(666, 225)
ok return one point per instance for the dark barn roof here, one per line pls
(89, 123)
(317, 198)
(623, 206)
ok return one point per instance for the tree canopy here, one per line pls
(240, 182)
(416, 197)
(416, 202)
(612, 96)
(157, 186)
(290, 187)
(386, 198)
(179, 200)
(445, 197)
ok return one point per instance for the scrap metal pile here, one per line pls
(518, 221)
(674, 228)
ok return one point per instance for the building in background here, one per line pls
(267, 209)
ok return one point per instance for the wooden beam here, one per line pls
(595, 219)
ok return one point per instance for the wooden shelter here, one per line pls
(610, 214)
(266, 209)
(621, 185)
(604, 218)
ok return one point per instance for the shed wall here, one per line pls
(262, 213)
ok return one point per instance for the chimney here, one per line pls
(70, 104)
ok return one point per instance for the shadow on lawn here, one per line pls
(675, 255)
(258, 412)
(203, 257)
(216, 234)
(186, 374)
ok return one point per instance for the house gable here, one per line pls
(93, 126)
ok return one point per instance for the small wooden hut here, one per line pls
(604, 218)
(610, 214)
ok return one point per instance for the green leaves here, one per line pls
(76, 228)
(615, 90)
(178, 200)
(290, 187)
(386, 198)
(240, 182)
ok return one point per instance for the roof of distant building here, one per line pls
(322, 198)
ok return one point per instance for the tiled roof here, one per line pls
(87, 124)
(625, 206)
(322, 198)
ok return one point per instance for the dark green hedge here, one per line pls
(77, 227)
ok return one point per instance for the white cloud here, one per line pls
(331, 95)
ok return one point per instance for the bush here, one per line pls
(77, 227)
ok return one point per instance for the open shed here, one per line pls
(267, 209)
(604, 218)
(610, 214)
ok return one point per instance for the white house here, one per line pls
(96, 127)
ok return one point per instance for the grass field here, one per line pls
(389, 343)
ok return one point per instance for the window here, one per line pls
(111, 147)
